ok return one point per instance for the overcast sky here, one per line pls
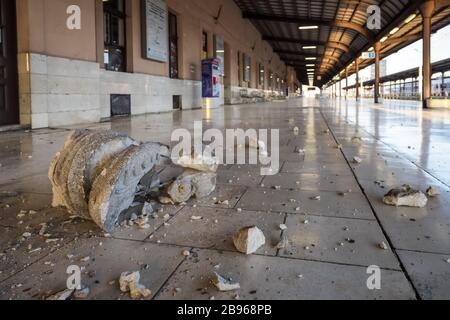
(411, 56)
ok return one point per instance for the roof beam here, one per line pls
(329, 44)
(308, 22)
(302, 55)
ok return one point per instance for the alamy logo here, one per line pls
(221, 150)
(374, 281)
(74, 20)
(374, 19)
(74, 279)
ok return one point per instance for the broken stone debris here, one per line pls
(357, 160)
(432, 192)
(405, 197)
(192, 183)
(97, 173)
(249, 240)
(129, 282)
(383, 246)
(223, 284)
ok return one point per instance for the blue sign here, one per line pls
(211, 78)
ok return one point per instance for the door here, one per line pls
(173, 46)
(9, 97)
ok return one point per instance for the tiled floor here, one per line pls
(332, 241)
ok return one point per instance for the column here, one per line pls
(357, 78)
(346, 83)
(427, 9)
(376, 93)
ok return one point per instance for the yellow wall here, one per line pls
(42, 29)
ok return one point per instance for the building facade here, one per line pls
(82, 61)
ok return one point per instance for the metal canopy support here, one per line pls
(357, 78)
(427, 9)
(376, 95)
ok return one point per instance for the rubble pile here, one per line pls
(105, 177)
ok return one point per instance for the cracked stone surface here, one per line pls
(415, 264)
(114, 188)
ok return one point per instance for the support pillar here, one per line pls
(376, 94)
(346, 83)
(357, 78)
(340, 88)
(427, 10)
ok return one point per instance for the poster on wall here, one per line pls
(154, 30)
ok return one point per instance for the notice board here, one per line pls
(155, 36)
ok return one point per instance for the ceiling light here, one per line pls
(383, 39)
(394, 31)
(371, 49)
(310, 65)
(309, 47)
(310, 58)
(410, 18)
(308, 27)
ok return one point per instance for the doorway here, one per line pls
(9, 83)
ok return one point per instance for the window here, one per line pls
(173, 46)
(247, 68)
(261, 76)
(114, 34)
(204, 45)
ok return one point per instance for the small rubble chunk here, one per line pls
(383, 246)
(432, 192)
(405, 197)
(249, 240)
(223, 284)
(357, 160)
(129, 282)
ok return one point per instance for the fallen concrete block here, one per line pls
(405, 197)
(100, 149)
(113, 190)
(249, 240)
(223, 284)
(55, 169)
(129, 282)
